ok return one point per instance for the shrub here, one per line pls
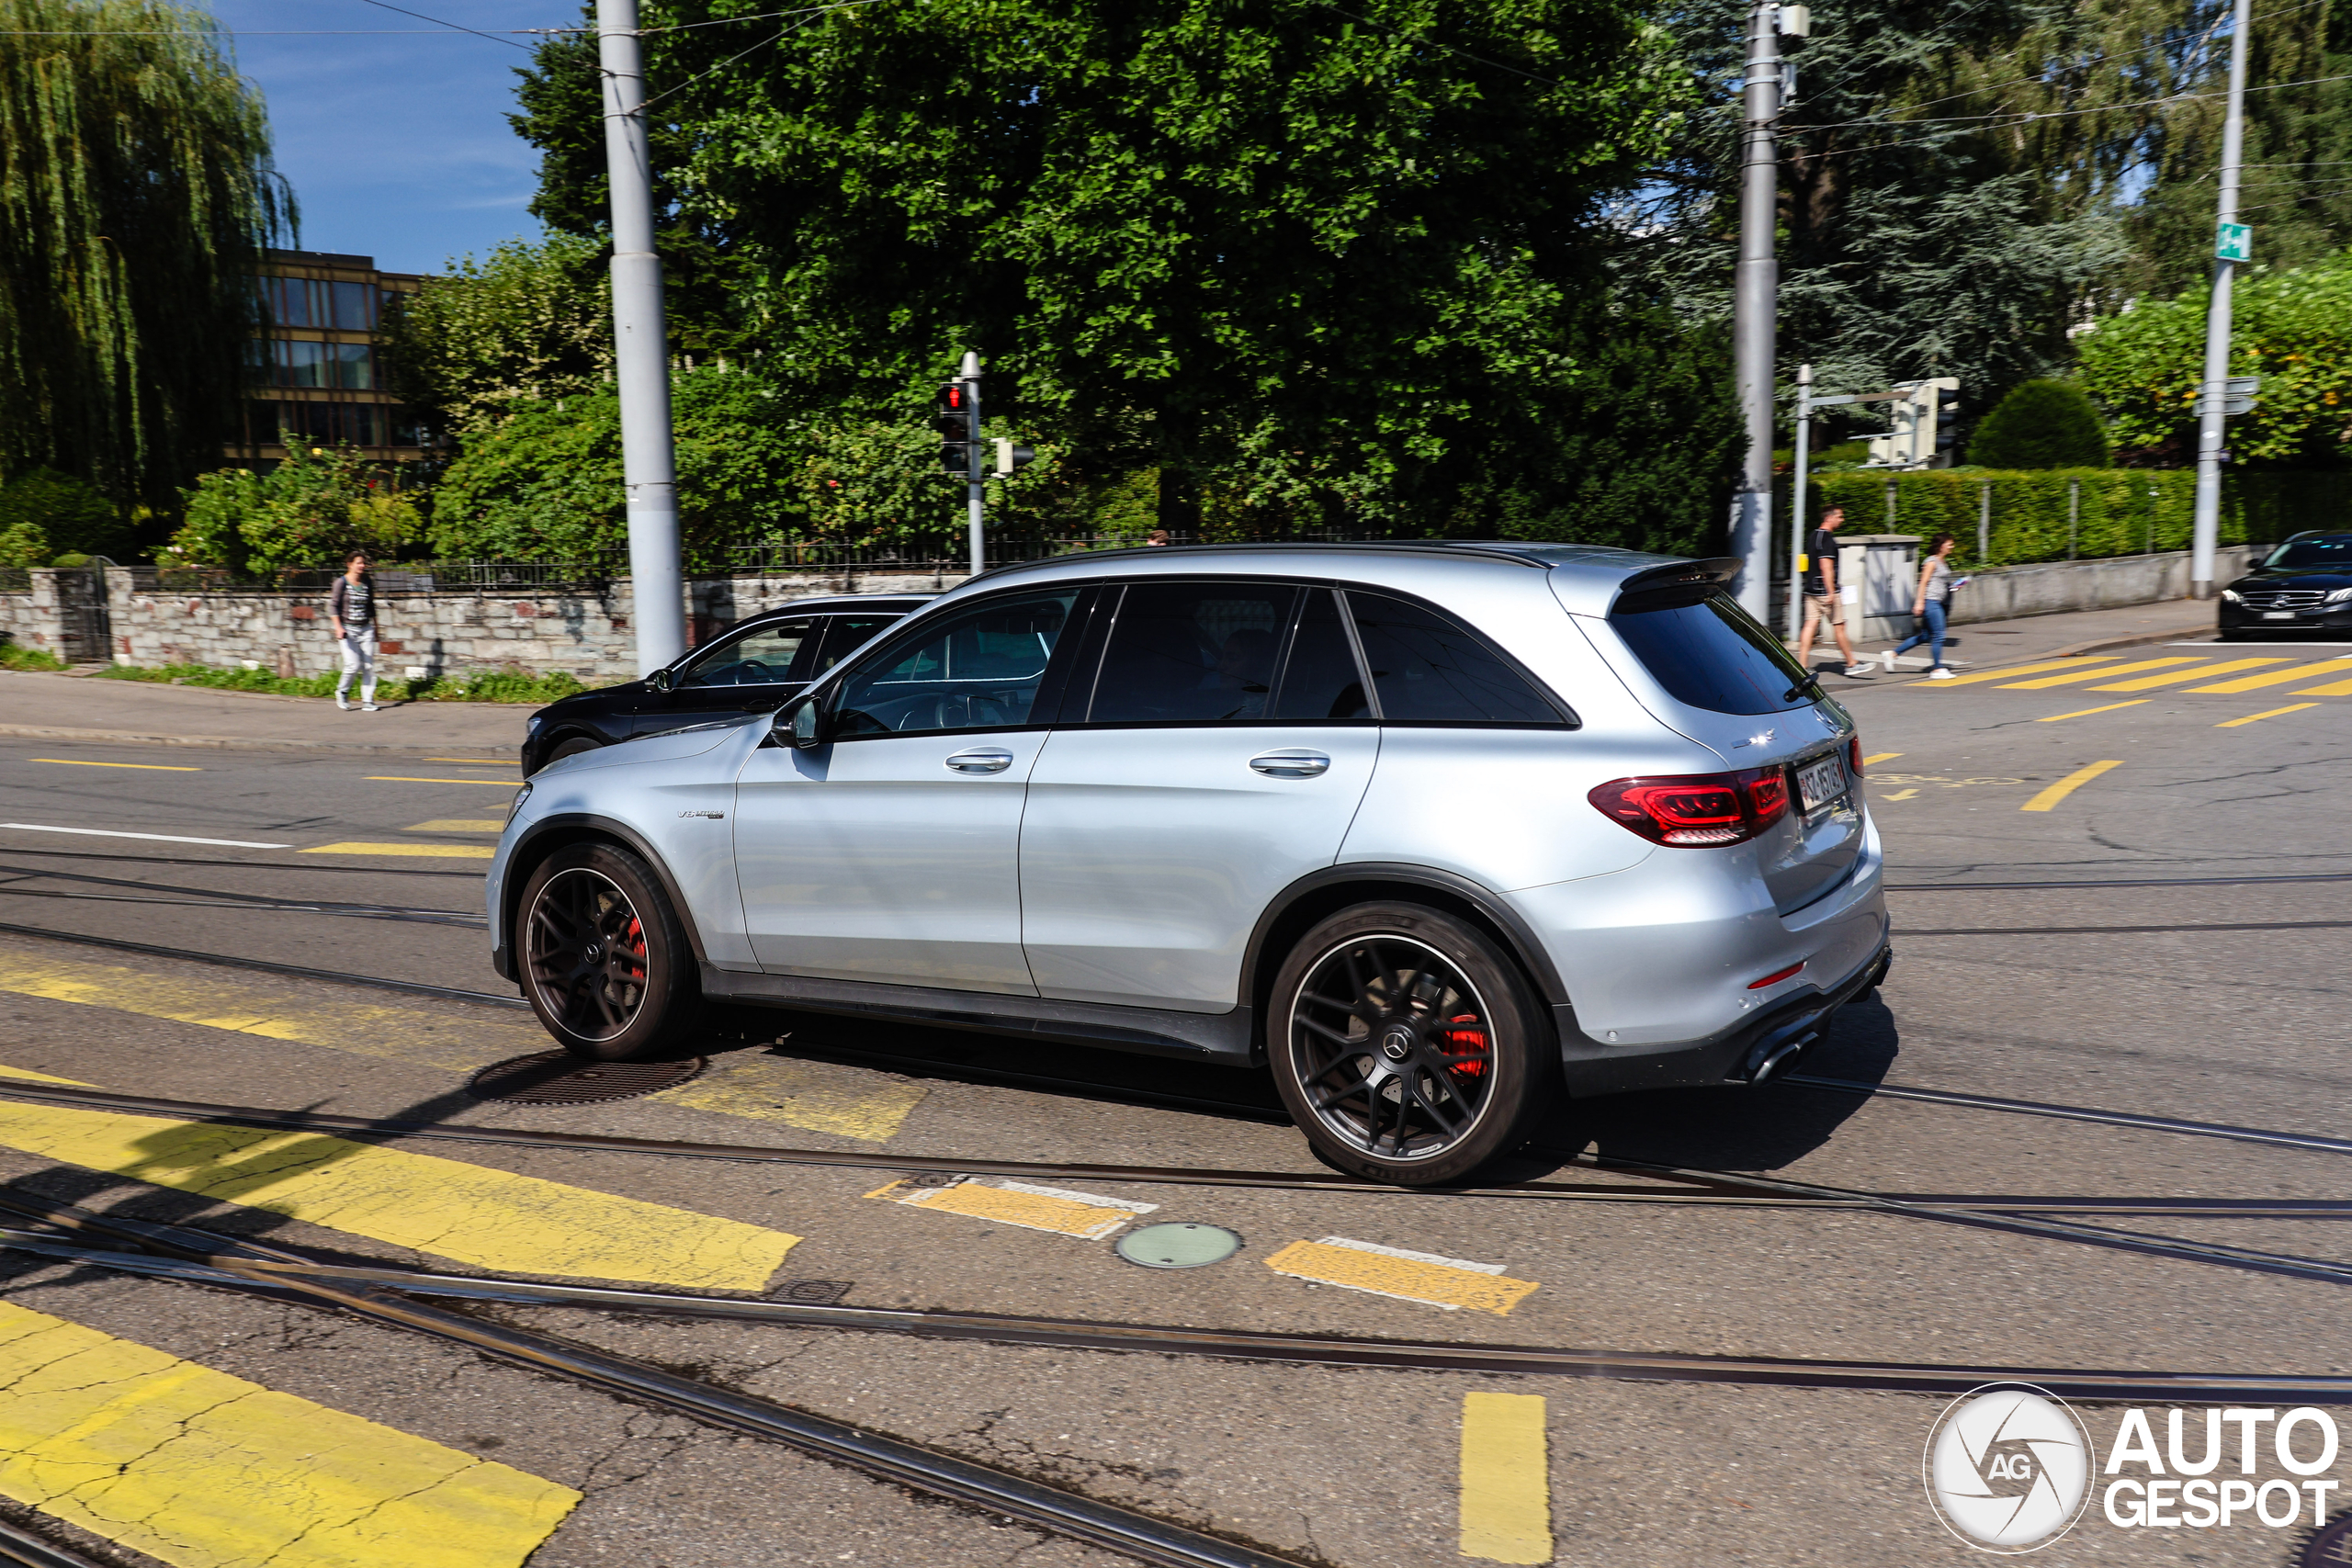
(2040, 424)
(309, 511)
(44, 512)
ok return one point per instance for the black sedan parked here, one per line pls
(752, 666)
(2304, 585)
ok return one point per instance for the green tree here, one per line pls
(527, 321)
(2292, 327)
(69, 516)
(136, 193)
(2040, 424)
(306, 514)
(1305, 263)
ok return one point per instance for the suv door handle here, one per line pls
(981, 760)
(1296, 763)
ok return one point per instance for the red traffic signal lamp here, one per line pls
(951, 417)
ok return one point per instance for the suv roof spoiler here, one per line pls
(1716, 571)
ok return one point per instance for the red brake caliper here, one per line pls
(1464, 1042)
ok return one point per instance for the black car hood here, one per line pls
(2286, 577)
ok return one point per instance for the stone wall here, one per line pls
(438, 633)
(2005, 594)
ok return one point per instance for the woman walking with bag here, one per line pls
(1928, 605)
(351, 611)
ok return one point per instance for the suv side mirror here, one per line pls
(659, 681)
(801, 724)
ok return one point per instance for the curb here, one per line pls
(221, 742)
(2138, 639)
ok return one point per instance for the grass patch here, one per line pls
(15, 656)
(484, 686)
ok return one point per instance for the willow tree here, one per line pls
(136, 193)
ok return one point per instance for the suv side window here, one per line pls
(1320, 678)
(1192, 653)
(1427, 669)
(979, 668)
(845, 635)
(755, 659)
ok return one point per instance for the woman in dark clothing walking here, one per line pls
(350, 610)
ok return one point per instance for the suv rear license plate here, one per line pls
(1820, 782)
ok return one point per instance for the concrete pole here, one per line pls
(1798, 509)
(2215, 385)
(1755, 286)
(640, 355)
(975, 501)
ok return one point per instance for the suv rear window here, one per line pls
(1709, 654)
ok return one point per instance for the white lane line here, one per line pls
(153, 838)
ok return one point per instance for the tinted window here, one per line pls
(1192, 651)
(2329, 550)
(1425, 667)
(1708, 653)
(849, 634)
(1320, 679)
(973, 669)
(763, 656)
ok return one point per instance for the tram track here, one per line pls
(221, 898)
(22, 1548)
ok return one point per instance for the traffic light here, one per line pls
(1010, 457)
(959, 433)
(1913, 442)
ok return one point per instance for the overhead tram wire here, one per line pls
(454, 27)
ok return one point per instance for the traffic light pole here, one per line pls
(975, 502)
(1756, 285)
(2212, 390)
(1798, 509)
(640, 355)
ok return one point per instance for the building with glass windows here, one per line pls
(318, 369)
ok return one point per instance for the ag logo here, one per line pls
(2007, 1467)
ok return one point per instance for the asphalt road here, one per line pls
(2129, 937)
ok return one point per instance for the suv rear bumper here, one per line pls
(1590, 1068)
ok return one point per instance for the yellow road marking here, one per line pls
(2273, 713)
(398, 778)
(1899, 794)
(2332, 689)
(2278, 677)
(819, 1098)
(1056, 1209)
(144, 767)
(2015, 669)
(1447, 1283)
(1879, 757)
(1506, 1482)
(2086, 713)
(2095, 673)
(451, 851)
(2049, 798)
(459, 825)
(9, 1072)
(202, 1470)
(494, 1219)
(2174, 678)
(477, 762)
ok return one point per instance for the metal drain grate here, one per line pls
(558, 1078)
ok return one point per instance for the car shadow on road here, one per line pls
(1733, 1127)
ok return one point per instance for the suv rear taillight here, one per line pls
(1854, 756)
(1696, 810)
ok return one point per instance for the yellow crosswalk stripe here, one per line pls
(1505, 1506)
(402, 778)
(849, 1102)
(492, 1219)
(2273, 713)
(2174, 678)
(459, 825)
(2278, 677)
(2015, 669)
(1448, 1282)
(2095, 673)
(1023, 1203)
(199, 1469)
(2332, 689)
(1875, 758)
(2049, 798)
(448, 851)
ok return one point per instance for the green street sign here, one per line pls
(2234, 242)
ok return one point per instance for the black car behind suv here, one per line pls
(2303, 585)
(753, 666)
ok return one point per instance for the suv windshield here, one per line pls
(2329, 551)
(1708, 653)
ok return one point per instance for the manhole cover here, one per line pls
(1181, 1245)
(558, 1078)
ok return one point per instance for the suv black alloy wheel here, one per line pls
(605, 961)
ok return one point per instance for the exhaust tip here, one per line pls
(1777, 1061)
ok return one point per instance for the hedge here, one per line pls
(2123, 511)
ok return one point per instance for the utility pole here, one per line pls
(2231, 246)
(640, 354)
(1755, 291)
(975, 503)
(1797, 508)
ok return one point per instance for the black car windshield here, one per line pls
(2325, 553)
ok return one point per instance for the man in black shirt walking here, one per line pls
(1822, 599)
(350, 610)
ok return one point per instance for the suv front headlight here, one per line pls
(2337, 597)
(2231, 595)
(516, 803)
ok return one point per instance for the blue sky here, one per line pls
(393, 132)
